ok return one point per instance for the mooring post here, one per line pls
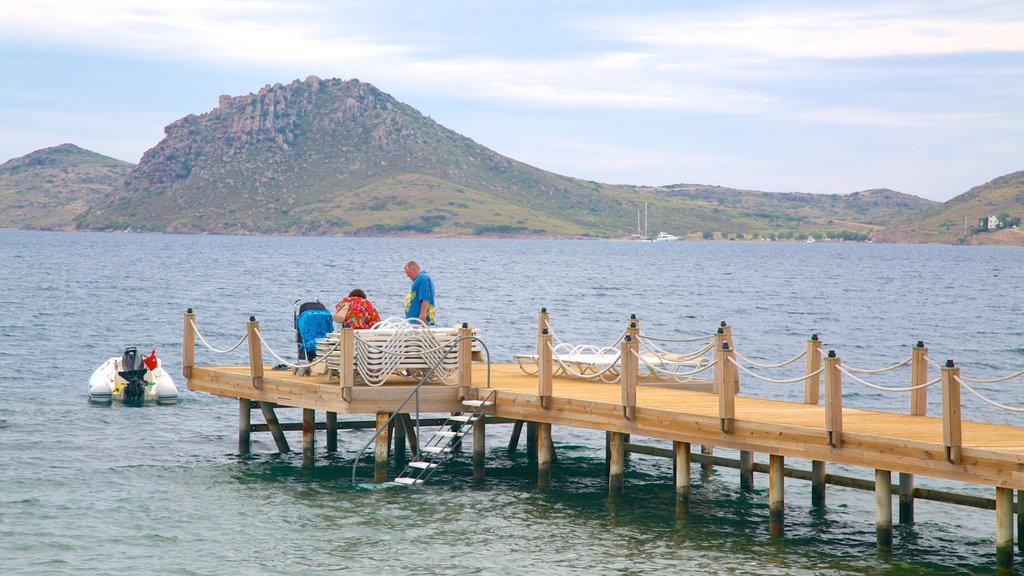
(380, 449)
(630, 363)
(347, 365)
(544, 372)
(331, 420)
(918, 407)
(725, 368)
(833, 401)
(255, 353)
(818, 468)
(951, 427)
(1004, 529)
(883, 509)
(244, 426)
(275, 427)
(616, 463)
(308, 436)
(465, 360)
(479, 447)
(776, 494)
(188, 343)
(682, 469)
(544, 454)
(746, 470)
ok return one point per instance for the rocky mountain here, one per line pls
(49, 187)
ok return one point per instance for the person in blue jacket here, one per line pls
(419, 303)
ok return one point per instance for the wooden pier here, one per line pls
(711, 413)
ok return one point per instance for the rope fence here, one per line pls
(855, 378)
(216, 350)
(800, 378)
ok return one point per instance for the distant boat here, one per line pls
(665, 237)
(638, 236)
(810, 239)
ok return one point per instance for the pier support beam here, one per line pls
(776, 494)
(616, 463)
(818, 468)
(883, 509)
(308, 436)
(531, 441)
(544, 453)
(380, 450)
(1004, 529)
(682, 469)
(906, 498)
(746, 470)
(244, 426)
(331, 420)
(479, 447)
(513, 440)
(1020, 520)
(275, 427)
(401, 457)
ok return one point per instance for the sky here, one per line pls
(923, 97)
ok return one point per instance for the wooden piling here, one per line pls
(918, 407)
(244, 426)
(883, 509)
(188, 344)
(616, 463)
(724, 371)
(951, 427)
(513, 439)
(410, 433)
(812, 362)
(906, 498)
(465, 359)
(347, 366)
(1004, 529)
(543, 454)
(544, 368)
(479, 447)
(275, 427)
(255, 353)
(630, 367)
(746, 470)
(1019, 505)
(833, 401)
(308, 436)
(818, 483)
(531, 441)
(331, 420)
(776, 494)
(380, 449)
(682, 479)
(401, 455)
(706, 464)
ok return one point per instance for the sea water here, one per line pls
(93, 489)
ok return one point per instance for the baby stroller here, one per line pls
(312, 321)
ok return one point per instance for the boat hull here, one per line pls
(106, 385)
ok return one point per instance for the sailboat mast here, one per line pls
(645, 221)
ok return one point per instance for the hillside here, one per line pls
(49, 187)
(945, 223)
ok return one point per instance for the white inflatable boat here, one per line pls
(132, 379)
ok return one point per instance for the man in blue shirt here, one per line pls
(420, 301)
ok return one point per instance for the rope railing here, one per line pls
(855, 378)
(770, 366)
(321, 359)
(800, 378)
(992, 380)
(878, 370)
(679, 340)
(933, 363)
(659, 351)
(659, 371)
(208, 345)
(984, 399)
(612, 361)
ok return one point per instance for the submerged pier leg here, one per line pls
(1004, 530)
(616, 463)
(380, 450)
(275, 427)
(513, 440)
(682, 468)
(776, 494)
(479, 447)
(1020, 520)
(531, 441)
(543, 454)
(746, 470)
(401, 457)
(707, 465)
(818, 483)
(331, 419)
(244, 426)
(906, 498)
(308, 436)
(883, 509)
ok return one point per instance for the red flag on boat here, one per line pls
(150, 361)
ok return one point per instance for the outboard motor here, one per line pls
(134, 372)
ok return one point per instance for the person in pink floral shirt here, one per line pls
(356, 311)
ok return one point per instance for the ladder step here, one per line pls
(463, 418)
(450, 433)
(435, 449)
(477, 403)
(409, 481)
(422, 464)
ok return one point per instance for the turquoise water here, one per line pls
(108, 490)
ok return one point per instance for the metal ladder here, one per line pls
(441, 446)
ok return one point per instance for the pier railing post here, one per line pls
(812, 362)
(833, 400)
(727, 334)
(630, 368)
(718, 371)
(726, 391)
(347, 365)
(255, 354)
(918, 407)
(544, 372)
(951, 427)
(465, 360)
(188, 344)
